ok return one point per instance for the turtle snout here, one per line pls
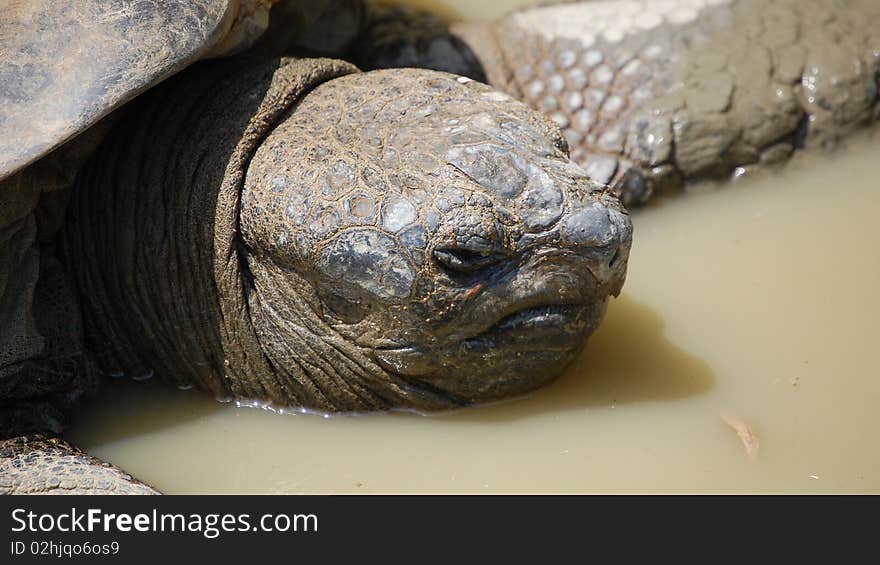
(603, 236)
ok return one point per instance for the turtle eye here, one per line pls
(465, 260)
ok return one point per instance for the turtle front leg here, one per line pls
(37, 464)
(653, 96)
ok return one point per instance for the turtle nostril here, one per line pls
(458, 260)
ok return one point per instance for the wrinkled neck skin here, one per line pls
(152, 239)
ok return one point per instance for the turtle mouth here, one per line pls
(554, 327)
(512, 337)
(522, 351)
(549, 332)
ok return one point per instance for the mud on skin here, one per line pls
(654, 95)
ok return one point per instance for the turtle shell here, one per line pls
(65, 65)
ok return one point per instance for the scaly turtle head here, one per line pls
(434, 226)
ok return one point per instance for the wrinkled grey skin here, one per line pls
(654, 96)
(298, 233)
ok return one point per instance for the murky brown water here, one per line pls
(757, 303)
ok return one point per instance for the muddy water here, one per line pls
(756, 304)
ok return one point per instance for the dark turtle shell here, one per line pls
(65, 65)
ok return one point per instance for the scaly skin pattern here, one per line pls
(652, 94)
(301, 234)
(36, 464)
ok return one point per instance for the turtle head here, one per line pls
(434, 231)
